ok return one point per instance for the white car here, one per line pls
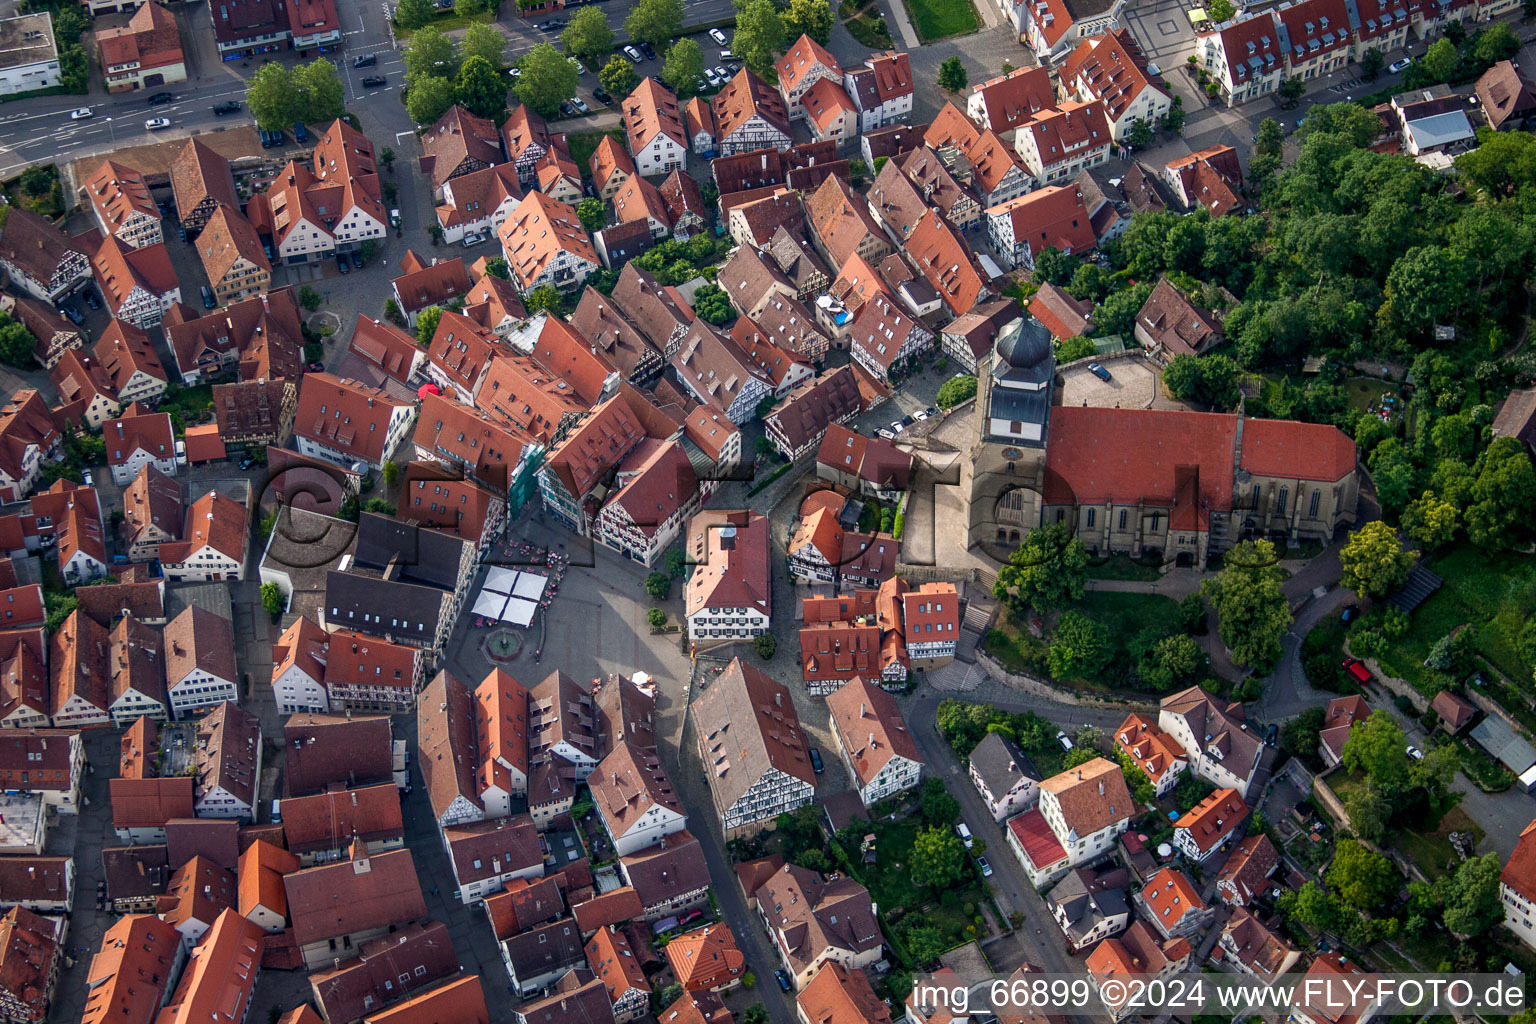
(727, 55)
(473, 238)
(1416, 753)
(633, 54)
(581, 68)
(81, 114)
(515, 72)
(712, 78)
(725, 76)
(154, 124)
(1400, 65)
(718, 36)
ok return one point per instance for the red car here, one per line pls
(1357, 669)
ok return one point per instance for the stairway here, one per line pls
(979, 612)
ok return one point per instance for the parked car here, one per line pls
(730, 65)
(357, 259)
(580, 105)
(515, 71)
(472, 238)
(315, 367)
(566, 110)
(1064, 739)
(920, 415)
(81, 114)
(341, 263)
(209, 302)
(394, 218)
(1400, 65)
(154, 124)
(300, 135)
(986, 869)
(964, 832)
(227, 107)
(91, 300)
(246, 462)
(161, 98)
(648, 50)
(1357, 669)
(712, 78)
(1099, 372)
(816, 765)
(266, 138)
(74, 315)
(726, 54)
(1350, 611)
(633, 55)
(601, 95)
(782, 977)
(367, 60)
(886, 433)
(1272, 737)
(1415, 753)
(374, 81)
(581, 68)
(718, 37)
(725, 76)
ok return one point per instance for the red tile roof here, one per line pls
(345, 415)
(431, 284)
(1305, 451)
(944, 258)
(705, 958)
(804, 56)
(1214, 818)
(1036, 838)
(1013, 98)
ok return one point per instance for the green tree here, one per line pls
(1074, 349)
(430, 54)
(658, 585)
(272, 599)
(1369, 813)
(546, 298)
(766, 644)
(618, 77)
(1117, 313)
(757, 1013)
(468, 8)
(1290, 93)
(426, 324)
(808, 17)
(677, 563)
(1377, 748)
(548, 79)
(1371, 63)
(497, 267)
(759, 35)
(412, 14)
(956, 390)
(1301, 735)
(1048, 571)
(1471, 895)
(1136, 780)
(481, 88)
(655, 21)
(1079, 647)
(952, 76)
(1440, 61)
(482, 40)
(1363, 879)
(322, 98)
(1503, 496)
(1173, 661)
(1494, 43)
(1220, 10)
(1394, 474)
(711, 303)
(1054, 266)
(1173, 121)
(938, 856)
(1428, 285)
(271, 95)
(656, 617)
(1271, 139)
(429, 99)
(391, 473)
(309, 297)
(1373, 560)
(588, 35)
(17, 345)
(1141, 133)
(1251, 611)
(937, 806)
(590, 210)
(684, 68)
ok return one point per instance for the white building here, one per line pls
(729, 593)
(1222, 749)
(1004, 776)
(635, 799)
(1082, 811)
(881, 756)
(298, 668)
(200, 668)
(1517, 888)
(29, 58)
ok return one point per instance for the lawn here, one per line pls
(448, 21)
(890, 885)
(1122, 615)
(1011, 643)
(939, 19)
(1365, 392)
(1495, 592)
(869, 28)
(1432, 852)
(1124, 567)
(583, 143)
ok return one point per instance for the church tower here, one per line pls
(1004, 478)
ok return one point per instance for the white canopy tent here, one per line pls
(500, 580)
(530, 586)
